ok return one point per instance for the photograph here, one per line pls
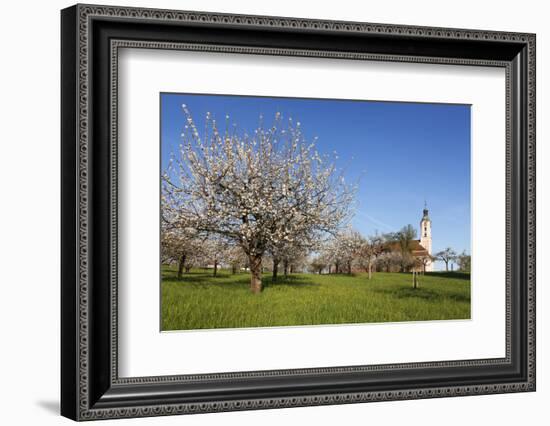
(279, 212)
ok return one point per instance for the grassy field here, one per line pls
(201, 301)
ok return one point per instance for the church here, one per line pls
(420, 249)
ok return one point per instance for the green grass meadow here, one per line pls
(200, 301)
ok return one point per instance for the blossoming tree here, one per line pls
(254, 190)
(181, 245)
(348, 247)
(372, 247)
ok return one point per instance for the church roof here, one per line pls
(416, 248)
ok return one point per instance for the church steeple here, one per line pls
(426, 233)
(425, 217)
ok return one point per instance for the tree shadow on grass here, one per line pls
(423, 293)
(207, 280)
(450, 274)
(289, 281)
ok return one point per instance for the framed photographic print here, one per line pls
(263, 212)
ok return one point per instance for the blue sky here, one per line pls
(404, 153)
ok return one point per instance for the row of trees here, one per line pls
(349, 251)
(346, 252)
(189, 249)
(343, 253)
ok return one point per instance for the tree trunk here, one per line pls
(370, 269)
(285, 268)
(329, 269)
(447, 266)
(415, 284)
(233, 269)
(215, 268)
(275, 268)
(181, 262)
(337, 268)
(255, 274)
(187, 268)
(349, 267)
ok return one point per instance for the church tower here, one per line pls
(426, 234)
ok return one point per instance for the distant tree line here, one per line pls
(350, 251)
(448, 256)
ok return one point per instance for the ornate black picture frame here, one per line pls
(91, 388)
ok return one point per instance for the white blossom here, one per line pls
(266, 192)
